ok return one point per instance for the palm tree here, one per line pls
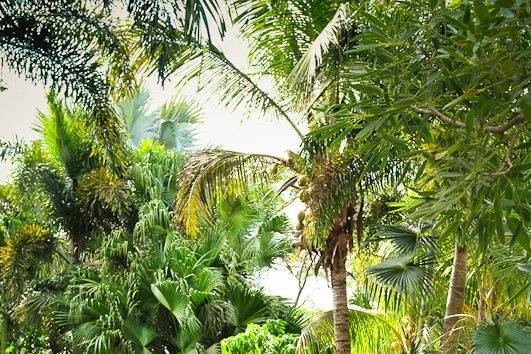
(62, 173)
(156, 288)
(305, 50)
(82, 51)
(172, 125)
(330, 188)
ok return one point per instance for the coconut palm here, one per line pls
(334, 182)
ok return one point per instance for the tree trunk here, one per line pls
(482, 303)
(3, 332)
(455, 301)
(339, 290)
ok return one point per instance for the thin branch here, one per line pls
(518, 119)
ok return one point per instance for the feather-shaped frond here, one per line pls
(307, 69)
(210, 173)
(64, 44)
(279, 32)
(228, 83)
(371, 331)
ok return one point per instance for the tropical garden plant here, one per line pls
(412, 171)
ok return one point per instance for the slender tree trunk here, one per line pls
(482, 303)
(3, 332)
(455, 301)
(339, 290)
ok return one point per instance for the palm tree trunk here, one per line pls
(339, 290)
(482, 303)
(3, 332)
(455, 301)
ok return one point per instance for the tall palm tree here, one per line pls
(331, 186)
(303, 53)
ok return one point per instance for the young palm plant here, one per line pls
(172, 125)
(63, 175)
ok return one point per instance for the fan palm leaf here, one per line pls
(503, 337)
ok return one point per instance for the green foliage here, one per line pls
(371, 331)
(504, 336)
(21, 253)
(172, 125)
(270, 338)
(29, 342)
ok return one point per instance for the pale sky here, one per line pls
(220, 127)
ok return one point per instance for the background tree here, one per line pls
(171, 125)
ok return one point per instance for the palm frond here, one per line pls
(370, 332)
(307, 69)
(249, 306)
(30, 242)
(139, 122)
(178, 118)
(62, 44)
(279, 32)
(407, 276)
(503, 337)
(226, 82)
(30, 310)
(404, 240)
(210, 173)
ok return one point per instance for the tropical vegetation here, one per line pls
(120, 233)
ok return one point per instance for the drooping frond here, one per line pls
(60, 43)
(228, 83)
(307, 69)
(210, 173)
(371, 331)
(161, 22)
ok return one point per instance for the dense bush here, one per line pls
(270, 338)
